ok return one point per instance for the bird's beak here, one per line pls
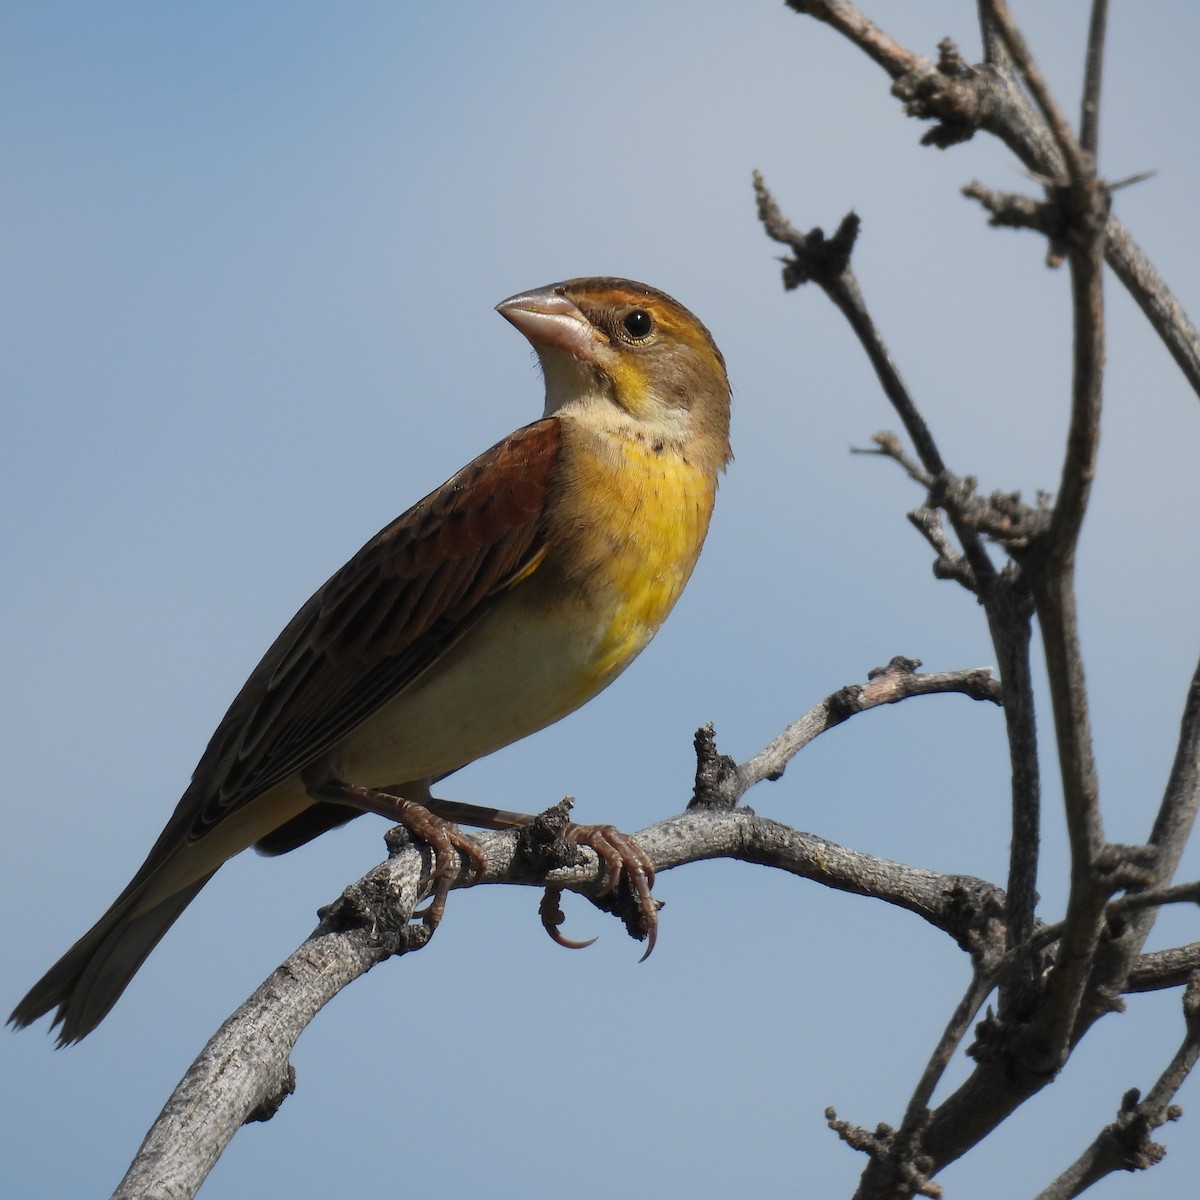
(552, 322)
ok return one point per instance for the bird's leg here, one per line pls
(618, 853)
(441, 835)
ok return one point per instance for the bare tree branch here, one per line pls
(1052, 573)
(1052, 570)
(1039, 1018)
(1158, 303)
(1126, 1145)
(898, 1159)
(1078, 166)
(1172, 829)
(1164, 968)
(961, 100)
(864, 33)
(826, 262)
(885, 685)
(1089, 120)
(242, 1074)
(1004, 594)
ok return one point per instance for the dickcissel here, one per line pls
(501, 602)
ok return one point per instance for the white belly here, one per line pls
(516, 672)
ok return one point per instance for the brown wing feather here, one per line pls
(390, 612)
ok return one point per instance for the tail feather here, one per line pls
(88, 980)
(302, 828)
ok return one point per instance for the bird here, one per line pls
(504, 600)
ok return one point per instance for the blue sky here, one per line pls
(250, 255)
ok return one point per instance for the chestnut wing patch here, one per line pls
(410, 593)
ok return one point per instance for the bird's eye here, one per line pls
(638, 324)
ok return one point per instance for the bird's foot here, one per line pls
(444, 839)
(552, 839)
(623, 859)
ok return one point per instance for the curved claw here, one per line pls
(651, 939)
(621, 855)
(433, 912)
(550, 910)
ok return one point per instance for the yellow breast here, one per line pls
(635, 520)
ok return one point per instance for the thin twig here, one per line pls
(1010, 610)
(994, 52)
(986, 100)
(888, 444)
(967, 1009)
(1172, 829)
(1158, 303)
(863, 32)
(888, 685)
(1122, 906)
(904, 1143)
(826, 262)
(1126, 1144)
(1077, 162)
(949, 564)
(1004, 594)
(1051, 568)
(1089, 122)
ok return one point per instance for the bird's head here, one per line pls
(625, 355)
